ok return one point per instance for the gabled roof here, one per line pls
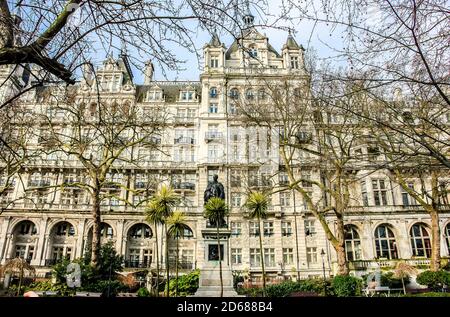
(291, 44)
(235, 46)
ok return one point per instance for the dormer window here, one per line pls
(154, 95)
(294, 62)
(253, 52)
(187, 95)
(213, 92)
(214, 62)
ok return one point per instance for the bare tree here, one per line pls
(100, 136)
(315, 137)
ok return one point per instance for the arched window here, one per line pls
(234, 93)
(213, 92)
(140, 231)
(65, 229)
(352, 243)
(420, 240)
(27, 228)
(188, 234)
(385, 243)
(447, 237)
(106, 231)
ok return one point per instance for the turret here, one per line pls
(293, 54)
(214, 54)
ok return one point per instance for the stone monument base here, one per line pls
(209, 283)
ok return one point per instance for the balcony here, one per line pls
(362, 265)
(184, 120)
(39, 183)
(259, 183)
(213, 136)
(185, 141)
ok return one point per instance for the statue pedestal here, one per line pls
(209, 283)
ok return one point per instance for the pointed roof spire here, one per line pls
(291, 43)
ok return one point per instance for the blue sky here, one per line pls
(308, 34)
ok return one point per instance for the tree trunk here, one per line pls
(20, 280)
(96, 237)
(157, 260)
(261, 254)
(435, 264)
(176, 273)
(339, 247)
(167, 261)
(220, 258)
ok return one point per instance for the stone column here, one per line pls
(121, 238)
(40, 258)
(80, 244)
(3, 238)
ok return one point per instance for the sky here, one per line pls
(310, 35)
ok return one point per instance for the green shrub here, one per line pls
(112, 287)
(434, 280)
(143, 292)
(61, 288)
(283, 289)
(187, 284)
(345, 286)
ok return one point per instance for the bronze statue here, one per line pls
(215, 189)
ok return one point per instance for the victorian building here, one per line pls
(205, 137)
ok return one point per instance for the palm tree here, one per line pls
(215, 210)
(165, 201)
(257, 204)
(177, 228)
(154, 216)
(18, 265)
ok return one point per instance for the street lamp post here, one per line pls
(322, 254)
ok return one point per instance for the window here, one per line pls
(385, 243)
(187, 95)
(236, 256)
(286, 228)
(255, 258)
(106, 231)
(235, 178)
(407, 199)
(234, 93)
(213, 92)
(379, 192)
(65, 229)
(154, 95)
(262, 95)
(214, 62)
(310, 227)
(352, 243)
(213, 108)
(285, 199)
(311, 255)
(306, 176)
(365, 198)
(373, 153)
(250, 95)
(236, 228)
(254, 229)
(235, 200)
(294, 62)
(187, 233)
(268, 228)
(187, 258)
(420, 241)
(213, 153)
(27, 228)
(253, 52)
(288, 256)
(447, 237)
(269, 257)
(140, 231)
(283, 179)
(233, 109)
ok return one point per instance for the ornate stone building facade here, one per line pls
(205, 138)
